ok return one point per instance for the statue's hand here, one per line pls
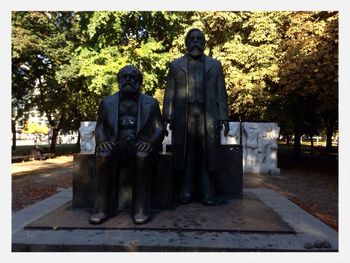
(226, 127)
(167, 124)
(143, 146)
(105, 146)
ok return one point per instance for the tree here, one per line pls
(24, 55)
(309, 69)
(275, 63)
(112, 39)
(41, 45)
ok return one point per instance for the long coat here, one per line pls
(149, 122)
(175, 107)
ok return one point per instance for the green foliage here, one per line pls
(33, 127)
(309, 72)
(110, 40)
(279, 66)
(38, 54)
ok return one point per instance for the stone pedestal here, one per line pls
(163, 183)
(229, 179)
(83, 180)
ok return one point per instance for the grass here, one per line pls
(61, 149)
(318, 151)
(320, 161)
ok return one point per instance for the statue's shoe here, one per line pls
(98, 218)
(185, 199)
(209, 201)
(141, 219)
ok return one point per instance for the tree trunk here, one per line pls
(13, 127)
(312, 145)
(297, 144)
(288, 139)
(330, 130)
(55, 132)
(78, 142)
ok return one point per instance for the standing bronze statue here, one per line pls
(128, 133)
(195, 106)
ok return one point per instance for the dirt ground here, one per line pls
(33, 181)
(314, 191)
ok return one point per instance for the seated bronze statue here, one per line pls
(128, 133)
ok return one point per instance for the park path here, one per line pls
(315, 192)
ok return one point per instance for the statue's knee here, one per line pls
(142, 155)
(103, 157)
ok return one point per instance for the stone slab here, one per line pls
(307, 230)
(249, 214)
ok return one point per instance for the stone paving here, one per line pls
(310, 233)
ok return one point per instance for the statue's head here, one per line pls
(195, 42)
(129, 80)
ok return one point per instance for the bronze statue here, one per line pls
(195, 106)
(128, 132)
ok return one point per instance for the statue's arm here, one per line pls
(169, 95)
(158, 127)
(155, 132)
(102, 142)
(222, 99)
(99, 129)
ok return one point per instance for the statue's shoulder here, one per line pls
(109, 99)
(214, 61)
(176, 62)
(148, 99)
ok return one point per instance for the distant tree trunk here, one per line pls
(56, 127)
(297, 144)
(13, 127)
(78, 121)
(78, 142)
(312, 145)
(330, 129)
(55, 132)
(288, 139)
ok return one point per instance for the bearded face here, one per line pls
(129, 80)
(195, 43)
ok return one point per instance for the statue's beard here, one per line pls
(129, 89)
(195, 51)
